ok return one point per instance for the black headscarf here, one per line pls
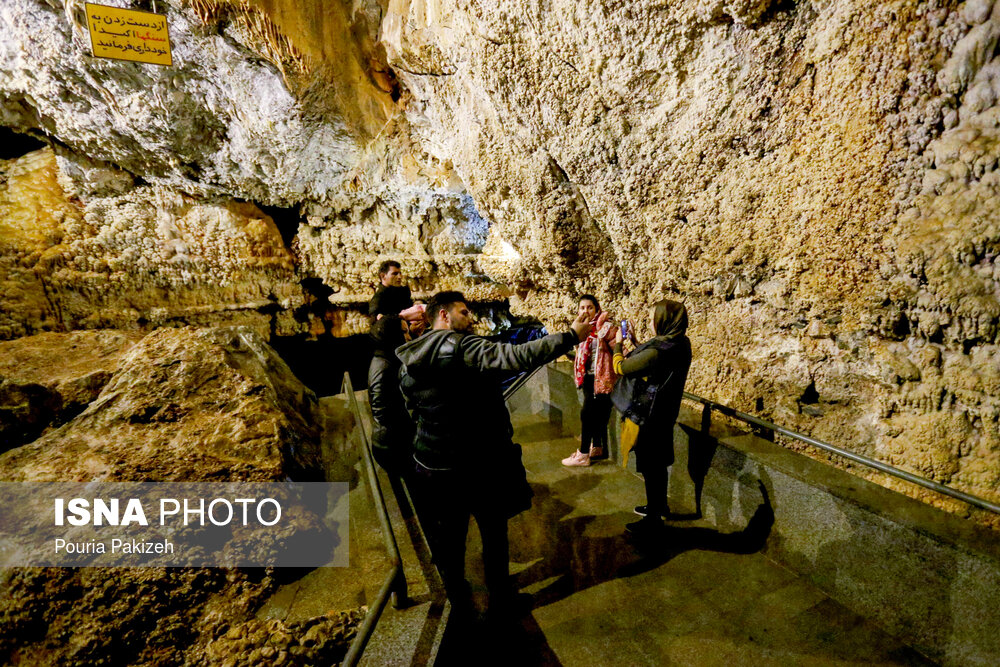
(387, 333)
(670, 318)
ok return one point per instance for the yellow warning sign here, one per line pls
(128, 34)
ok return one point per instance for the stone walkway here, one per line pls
(699, 598)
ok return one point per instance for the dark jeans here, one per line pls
(652, 460)
(449, 498)
(656, 491)
(594, 416)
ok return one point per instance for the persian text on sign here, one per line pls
(128, 34)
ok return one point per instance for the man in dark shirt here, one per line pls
(451, 383)
(391, 297)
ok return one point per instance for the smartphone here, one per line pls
(624, 328)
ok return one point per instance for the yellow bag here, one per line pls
(630, 432)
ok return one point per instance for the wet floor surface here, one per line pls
(693, 597)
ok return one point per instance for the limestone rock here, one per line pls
(817, 181)
(637, 151)
(82, 247)
(265, 104)
(318, 641)
(184, 405)
(48, 379)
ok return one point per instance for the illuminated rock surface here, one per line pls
(47, 379)
(816, 180)
(184, 405)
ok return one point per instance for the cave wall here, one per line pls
(285, 107)
(816, 180)
(85, 247)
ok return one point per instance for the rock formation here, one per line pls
(817, 181)
(814, 180)
(185, 405)
(182, 405)
(48, 379)
(84, 247)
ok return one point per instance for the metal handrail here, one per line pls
(521, 380)
(395, 581)
(975, 501)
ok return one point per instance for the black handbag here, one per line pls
(634, 398)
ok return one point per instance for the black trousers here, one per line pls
(655, 481)
(449, 498)
(654, 453)
(594, 414)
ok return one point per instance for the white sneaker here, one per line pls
(577, 458)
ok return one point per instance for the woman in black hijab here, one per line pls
(648, 395)
(392, 433)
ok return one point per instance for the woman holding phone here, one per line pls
(595, 379)
(649, 398)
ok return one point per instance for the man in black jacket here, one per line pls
(392, 296)
(451, 383)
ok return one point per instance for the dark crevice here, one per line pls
(14, 144)
(810, 396)
(321, 363)
(272, 309)
(901, 328)
(408, 71)
(286, 219)
(780, 7)
(317, 306)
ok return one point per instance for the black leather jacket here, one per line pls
(451, 384)
(392, 432)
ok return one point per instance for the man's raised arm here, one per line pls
(482, 354)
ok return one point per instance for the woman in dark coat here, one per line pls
(392, 432)
(649, 395)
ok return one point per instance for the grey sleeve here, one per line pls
(641, 363)
(483, 354)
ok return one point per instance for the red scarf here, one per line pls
(582, 359)
(604, 374)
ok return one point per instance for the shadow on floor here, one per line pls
(514, 642)
(579, 552)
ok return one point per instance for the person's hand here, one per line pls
(601, 319)
(581, 327)
(618, 336)
(631, 333)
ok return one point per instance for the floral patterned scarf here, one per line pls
(604, 374)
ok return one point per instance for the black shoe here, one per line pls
(645, 528)
(643, 510)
